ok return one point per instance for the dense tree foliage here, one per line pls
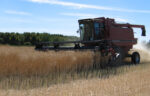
(28, 38)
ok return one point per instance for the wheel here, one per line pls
(77, 46)
(135, 57)
(117, 59)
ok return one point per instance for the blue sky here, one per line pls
(60, 16)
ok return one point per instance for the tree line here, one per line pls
(31, 38)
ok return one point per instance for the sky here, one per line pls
(61, 16)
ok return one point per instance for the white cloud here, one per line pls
(79, 5)
(87, 15)
(82, 15)
(9, 20)
(121, 20)
(16, 12)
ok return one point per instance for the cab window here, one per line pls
(99, 30)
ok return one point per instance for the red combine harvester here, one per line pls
(102, 35)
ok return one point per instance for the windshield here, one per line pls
(85, 32)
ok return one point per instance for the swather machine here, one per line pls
(102, 35)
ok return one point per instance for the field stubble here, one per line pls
(26, 61)
(25, 68)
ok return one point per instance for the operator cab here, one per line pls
(91, 29)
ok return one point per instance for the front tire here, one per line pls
(117, 61)
(135, 57)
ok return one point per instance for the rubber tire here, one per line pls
(135, 58)
(118, 61)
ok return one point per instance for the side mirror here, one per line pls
(78, 31)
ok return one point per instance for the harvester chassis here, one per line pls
(104, 36)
